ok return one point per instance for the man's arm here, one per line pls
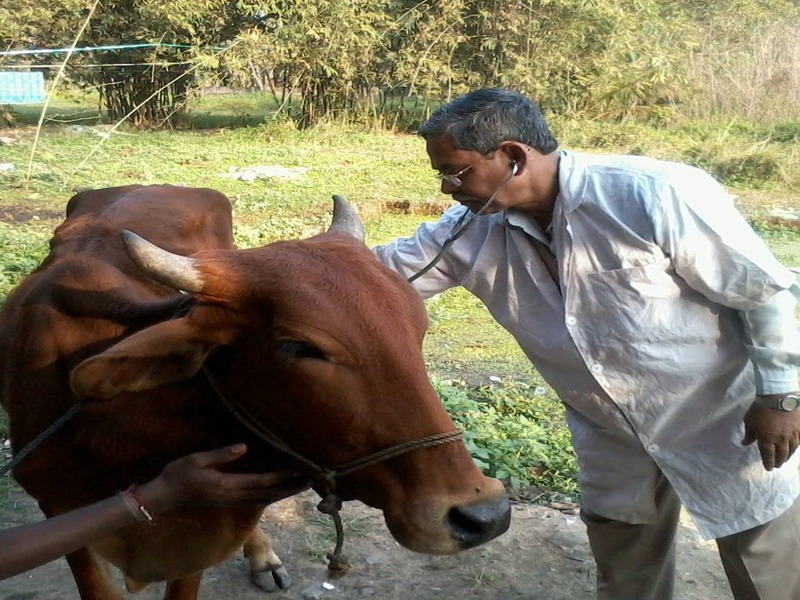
(717, 253)
(408, 256)
(774, 349)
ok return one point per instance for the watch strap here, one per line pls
(786, 402)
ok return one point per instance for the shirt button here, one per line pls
(571, 320)
(652, 447)
(596, 368)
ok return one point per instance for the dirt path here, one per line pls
(544, 556)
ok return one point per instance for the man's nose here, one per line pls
(449, 188)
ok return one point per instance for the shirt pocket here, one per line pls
(653, 280)
(644, 304)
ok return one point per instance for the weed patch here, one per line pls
(753, 169)
(516, 433)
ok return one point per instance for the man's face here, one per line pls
(517, 176)
(468, 176)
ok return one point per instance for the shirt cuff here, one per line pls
(774, 344)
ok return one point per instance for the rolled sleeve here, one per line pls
(774, 342)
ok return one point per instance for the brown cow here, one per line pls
(313, 339)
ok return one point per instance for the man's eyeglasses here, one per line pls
(453, 178)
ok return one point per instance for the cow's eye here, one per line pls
(301, 349)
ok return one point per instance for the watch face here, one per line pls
(790, 402)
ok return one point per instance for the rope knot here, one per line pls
(338, 566)
(330, 504)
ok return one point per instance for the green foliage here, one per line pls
(786, 132)
(515, 433)
(753, 169)
(377, 61)
(777, 233)
(607, 58)
(326, 53)
(24, 22)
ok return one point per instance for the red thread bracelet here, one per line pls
(134, 503)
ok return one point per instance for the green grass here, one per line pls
(22, 247)
(207, 112)
(321, 537)
(742, 155)
(515, 422)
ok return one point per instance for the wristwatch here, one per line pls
(787, 403)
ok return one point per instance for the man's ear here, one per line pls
(165, 353)
(516, 154)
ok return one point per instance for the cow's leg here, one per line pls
(183, 589)
(91, 576)
(266, 569)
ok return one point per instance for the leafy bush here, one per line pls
(750, 169)
(515, 433)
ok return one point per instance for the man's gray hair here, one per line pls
(482, 119)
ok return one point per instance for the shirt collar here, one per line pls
(570, 186)
(515, 219)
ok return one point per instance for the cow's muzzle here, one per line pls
(474, 524)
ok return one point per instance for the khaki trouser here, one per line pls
(637, 562)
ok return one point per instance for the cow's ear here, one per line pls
(165, 353)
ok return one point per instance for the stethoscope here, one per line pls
(462, 225)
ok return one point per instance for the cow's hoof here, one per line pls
(272, 580)
(282, 578)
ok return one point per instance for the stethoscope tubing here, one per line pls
(460, 228)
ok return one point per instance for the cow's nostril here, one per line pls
(477, 523)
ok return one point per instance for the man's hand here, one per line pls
(777, 433)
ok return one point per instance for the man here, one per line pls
(658, 316)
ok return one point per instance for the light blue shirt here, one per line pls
(670, 315)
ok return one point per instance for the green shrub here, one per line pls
(734, 166)
(752, 170)
(515, 433)
(598, 135)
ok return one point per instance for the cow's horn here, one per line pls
(346, 219)
(176, 271)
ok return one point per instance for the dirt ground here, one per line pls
(544, 556)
